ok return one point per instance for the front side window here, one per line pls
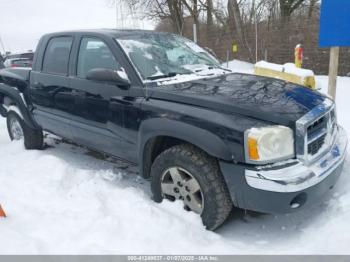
(157, 55)
(94, 53)
(56, 57)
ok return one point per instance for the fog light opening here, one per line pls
(298, 201)
(294, 205)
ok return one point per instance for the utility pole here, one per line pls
(195, 32)
(116, 13)
(256, 37)
(333, 71)
(2, 45)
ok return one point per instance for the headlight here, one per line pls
(269, 144)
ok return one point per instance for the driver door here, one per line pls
(93, 107)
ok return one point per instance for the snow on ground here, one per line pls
(240, 66)
(69, 200)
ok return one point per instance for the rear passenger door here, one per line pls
(93, 109)
(50, 90)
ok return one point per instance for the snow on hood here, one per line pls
(203, 73)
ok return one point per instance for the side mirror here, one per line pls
(108, 75)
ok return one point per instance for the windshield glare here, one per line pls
(165, 55)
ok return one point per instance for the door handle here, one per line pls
(121, 100)
(38, 85)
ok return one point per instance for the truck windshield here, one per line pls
(164, 55)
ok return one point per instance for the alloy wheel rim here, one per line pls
(16, 129)
(179, 184)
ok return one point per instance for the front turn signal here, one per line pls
(253, 149)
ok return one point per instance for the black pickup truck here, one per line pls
(202, 134)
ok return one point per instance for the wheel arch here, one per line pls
(16, 104)
(157, 135)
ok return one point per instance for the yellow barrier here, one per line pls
(308, 81)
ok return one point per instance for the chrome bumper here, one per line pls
(299, 176)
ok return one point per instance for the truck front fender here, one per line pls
(203, 139)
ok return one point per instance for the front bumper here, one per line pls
(287, 186)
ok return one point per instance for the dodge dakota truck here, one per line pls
(200, 133)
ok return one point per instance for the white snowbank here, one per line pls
(240, 66)
(61, 200)
(65, 201)
(287, 68)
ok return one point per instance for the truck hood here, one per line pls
(263, 98)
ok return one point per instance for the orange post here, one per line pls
(299, 55)
(2, 212)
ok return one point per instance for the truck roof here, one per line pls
(115, 33)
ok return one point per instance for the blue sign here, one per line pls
(335, 23)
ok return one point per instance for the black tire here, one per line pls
(33, 139)
(205, 169)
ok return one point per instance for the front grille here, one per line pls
(316, 145)
(317, 126)
(317, 131)
(312, 131)
(316, 135)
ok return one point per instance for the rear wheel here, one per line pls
(19, 130)
(185, 173)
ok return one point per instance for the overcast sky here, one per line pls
(22, 22)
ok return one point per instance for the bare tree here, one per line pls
(176, 15)
(171, 10)
(287, 7)
(194, 7)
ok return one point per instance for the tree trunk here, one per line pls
(176, 15)
(311, 8)
(209, 20)
(236, 24)
(235, 19)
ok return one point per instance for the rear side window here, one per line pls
(93, 54)
(57, 55)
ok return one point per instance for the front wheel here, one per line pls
(185, 173)
(19, 130)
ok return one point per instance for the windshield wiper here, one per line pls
(224, 68)
(170, 74)
(211, 67)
